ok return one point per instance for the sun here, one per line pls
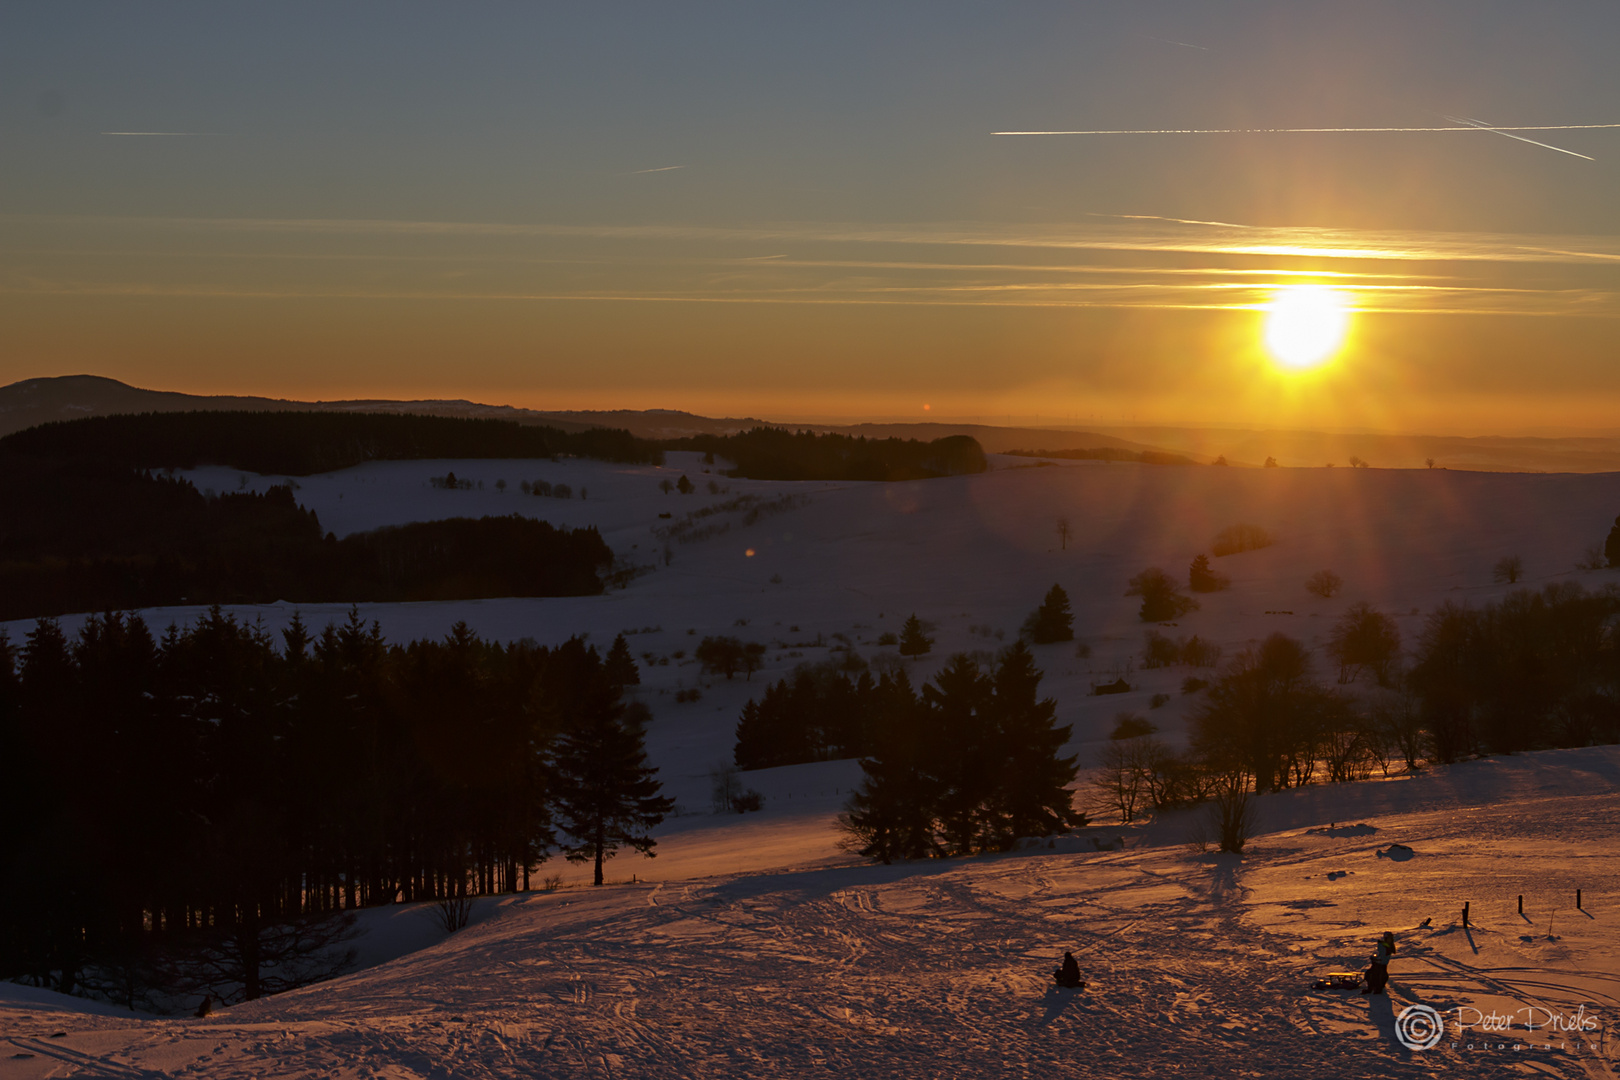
(1306, 325)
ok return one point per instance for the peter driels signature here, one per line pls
(1532, 1017)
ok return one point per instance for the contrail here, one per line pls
(160, 133)
(1482, 126)
(665, 168)
(1308, 131)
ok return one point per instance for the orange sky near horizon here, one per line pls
(797, 213)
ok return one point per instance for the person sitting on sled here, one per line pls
(1378, 970)
(1069, 974)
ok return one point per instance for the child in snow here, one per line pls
(1378, 970)
(1069, 974)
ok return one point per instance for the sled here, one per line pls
(1338, 980)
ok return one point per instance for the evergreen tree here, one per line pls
(1052, 621)
(1201, 577)
(1611, 546)
(963, 758)
(621, 667)
(913, 642)
(1162, 599)
(607, 796)
(891, 815)
(1032, 792)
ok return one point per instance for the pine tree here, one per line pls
(607, 796)
(621, 667)
(1032, 790)
(962, 758)
(1202, 578)
(1052, 621)
(891, 815)
(913, 642)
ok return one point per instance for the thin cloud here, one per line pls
(1462, 125)
(1482, 126)
(1203, 238)
(661, 168)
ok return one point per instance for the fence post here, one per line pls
(1521, 903)
(1578, 900)
(1465, 912)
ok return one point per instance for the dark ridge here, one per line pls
(766, 453)
(89, 535)
(304, 443)
(1108, 453)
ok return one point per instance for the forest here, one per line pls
(305, 443)
(1534, 670)
(184, 812)
(969, 764)
(778, 454)
(95, 536)
(1109, 453)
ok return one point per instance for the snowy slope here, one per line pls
(751, 946)
(1198, 965)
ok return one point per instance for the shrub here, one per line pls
(1129, 725)
(1508, 569)
(1162, 599)
(1325, 584)
(1236, 538)
(1158, 701)
(1160, 651)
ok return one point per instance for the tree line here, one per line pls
(92, 536)
(194, 802)
(766, 453)
(970, 763)
(1534, 670)
(306, 443)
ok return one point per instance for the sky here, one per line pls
(804, 211)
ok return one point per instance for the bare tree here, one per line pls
(1233, 814)
(1064, 532)
(1508, 569)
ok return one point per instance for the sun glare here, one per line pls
(1306, 325)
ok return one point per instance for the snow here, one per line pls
(751, 945)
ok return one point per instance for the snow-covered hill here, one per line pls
(752, 946)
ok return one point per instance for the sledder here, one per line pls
(1378, 970)
(1069, 974)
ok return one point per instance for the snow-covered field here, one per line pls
(752, 947)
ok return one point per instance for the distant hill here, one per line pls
(32, 402)
(69, 397)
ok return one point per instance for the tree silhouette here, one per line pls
(620, 665)
(1032, 789)
(1064, 532)
(607, 795)
(1508, 569)
(1325, 584)
(1201, 578)
(1162, 598)
(913, 642)
(1611, 546)
(1052, 621)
